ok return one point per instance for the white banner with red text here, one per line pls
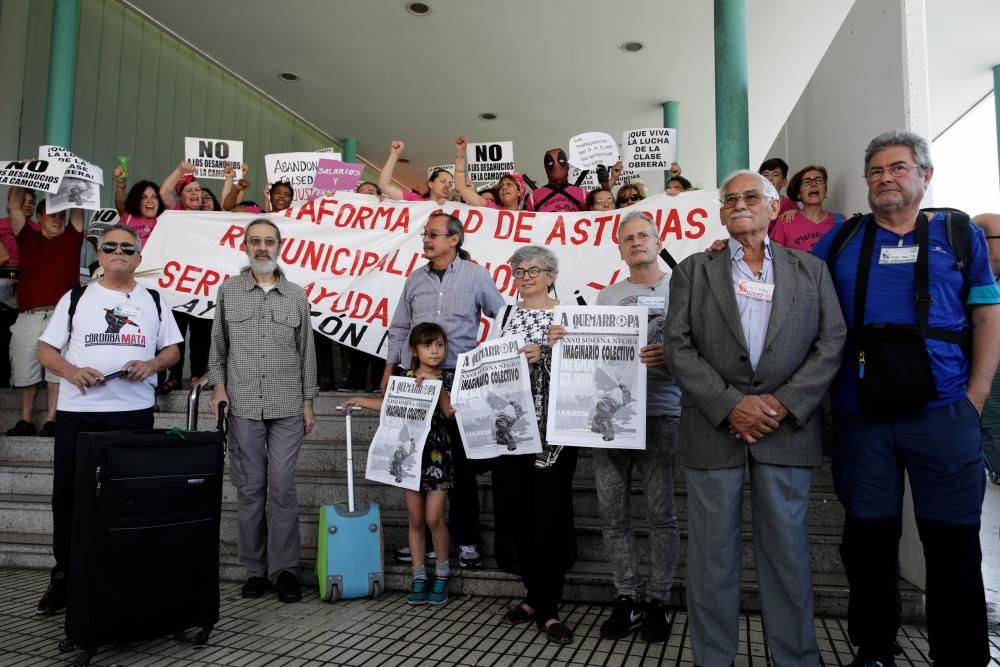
(352, 253)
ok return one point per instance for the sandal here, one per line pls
(557, 633)
(517, 614)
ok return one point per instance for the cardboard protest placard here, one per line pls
(492, 400)
(336, 176)
(296, 169)
(44, 175)
(101, 220)
(590, 149)
(404, 423)
(648, 149)
(209, 156)
(486, 162)
(450, 168)
(597, 397)
(75, 167)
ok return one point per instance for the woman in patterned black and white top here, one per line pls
(533, 494)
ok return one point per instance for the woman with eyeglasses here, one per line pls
(802, 229)
(600, 200)
(533, 494)
(630, 194)
(439, 185)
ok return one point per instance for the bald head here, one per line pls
(990, 224)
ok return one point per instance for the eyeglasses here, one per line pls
(433, 235)
(641, 237)
(896, 170)
(818, 180)
(108, 247)
(751, 197)
(630, 199)
(533, 272)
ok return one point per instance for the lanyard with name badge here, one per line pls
(898, 254)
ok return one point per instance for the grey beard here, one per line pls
(263, 265)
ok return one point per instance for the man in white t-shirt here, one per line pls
(112, 325)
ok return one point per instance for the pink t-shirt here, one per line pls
(539, 200)
(142, 226)
(784, 204)
(409, 195)
(802, 233)
(10, 242)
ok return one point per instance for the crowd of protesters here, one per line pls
(751, 336)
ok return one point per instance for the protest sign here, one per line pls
(649, 149)
(589, 181)
(597, 397)
(352, 254)
(101, 220)
(209, 156)
(44, 175)
(296, 169)
(590, 149)
(330, 149)
(333, 176)
(450, 168)
(397, 448)
(75, 167)
(74, 193)
(486, 162)
(492, 400)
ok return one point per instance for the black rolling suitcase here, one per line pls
(145, 554)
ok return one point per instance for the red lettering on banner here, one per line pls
(614, 229)
(579, 232)
(168, 273)
(613, 279)
(304, 211)
(347, 210)
(402, 221)
(336, 255)
(326, 209)
(364, 212)
(672, 225)
(210, 279)
(232, 235)
(473, 221)
(694, 222)
(368, 260)
(601, 221)
(186, 276)
(353, 304)
(504, 218)
(558, 231)
(523, 226)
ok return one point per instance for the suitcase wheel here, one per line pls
(334, 592)
(376, 589)
(67, 645)
(83, 659)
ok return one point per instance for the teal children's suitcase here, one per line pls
(349, 544)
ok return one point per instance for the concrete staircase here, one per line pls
(26, 520)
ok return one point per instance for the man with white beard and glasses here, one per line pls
(263, 364)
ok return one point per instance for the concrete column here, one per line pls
(732, 131)
(350, 151)
(671, 118)
(62, 72)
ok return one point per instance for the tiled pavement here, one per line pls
(386, 632)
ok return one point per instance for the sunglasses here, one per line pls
(630, 199)
(108, 247)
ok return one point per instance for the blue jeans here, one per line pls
(613, 473)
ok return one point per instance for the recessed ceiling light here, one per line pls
(404, 160)
(418, 8)
(487, 116)
(632, 47)
(288, 76)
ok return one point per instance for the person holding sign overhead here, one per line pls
(510, 190)
(754, 337)
(439, 185)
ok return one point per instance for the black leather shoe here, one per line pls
(255, 587)
(54, 600)
(48, 430)
(288, 587)
(22, 428)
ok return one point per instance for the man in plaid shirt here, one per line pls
(262, 362)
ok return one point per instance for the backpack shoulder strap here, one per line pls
(156, 300)
(74, 300)
(843, 237)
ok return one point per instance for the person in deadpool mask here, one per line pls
(557, 194)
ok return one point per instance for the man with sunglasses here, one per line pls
(112, 325)
(455, 293)
(924, 314)
(262, 362)
(754, 337)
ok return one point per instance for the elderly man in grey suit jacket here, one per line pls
(754, 338)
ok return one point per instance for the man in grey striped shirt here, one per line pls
(262, 362)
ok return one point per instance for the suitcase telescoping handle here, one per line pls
(347, 410)
(192, 409)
